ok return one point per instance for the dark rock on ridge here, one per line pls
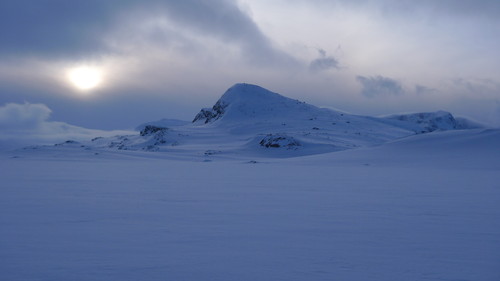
(150, 129)
(280, 140)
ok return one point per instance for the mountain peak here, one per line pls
(245, 101)
(246, 92)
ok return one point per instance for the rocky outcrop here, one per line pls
(150, 130)
(279, 140)
(207, 115)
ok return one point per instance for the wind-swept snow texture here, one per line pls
(422, 208)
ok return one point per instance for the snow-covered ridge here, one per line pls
(426, 122)
(250, 120)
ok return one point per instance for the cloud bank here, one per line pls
(25, 124)
(22, 117)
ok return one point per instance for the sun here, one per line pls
(85, 77)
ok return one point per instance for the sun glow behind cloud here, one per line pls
(85, 78)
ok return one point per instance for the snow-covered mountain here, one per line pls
(251, 120)
(427, 122)
(250, 103)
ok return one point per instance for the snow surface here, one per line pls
(364, 199)
(423, 208)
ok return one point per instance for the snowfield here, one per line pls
(213, 203)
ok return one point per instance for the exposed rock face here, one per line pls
(149, 139)
(207, 115)
(158, 134)
(277, 141)
(150, 129)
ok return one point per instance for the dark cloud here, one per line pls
(224, 20)
(379, 86)
(324, 62)
(61, 28)
(49, 27)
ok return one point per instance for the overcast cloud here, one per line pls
(58, 28)
(167, 59)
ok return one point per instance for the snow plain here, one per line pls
(359, 199)
(422, 208)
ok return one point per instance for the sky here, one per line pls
(159, 59)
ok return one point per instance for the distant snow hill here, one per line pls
(250, 120)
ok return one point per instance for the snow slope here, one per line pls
(424, 207)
